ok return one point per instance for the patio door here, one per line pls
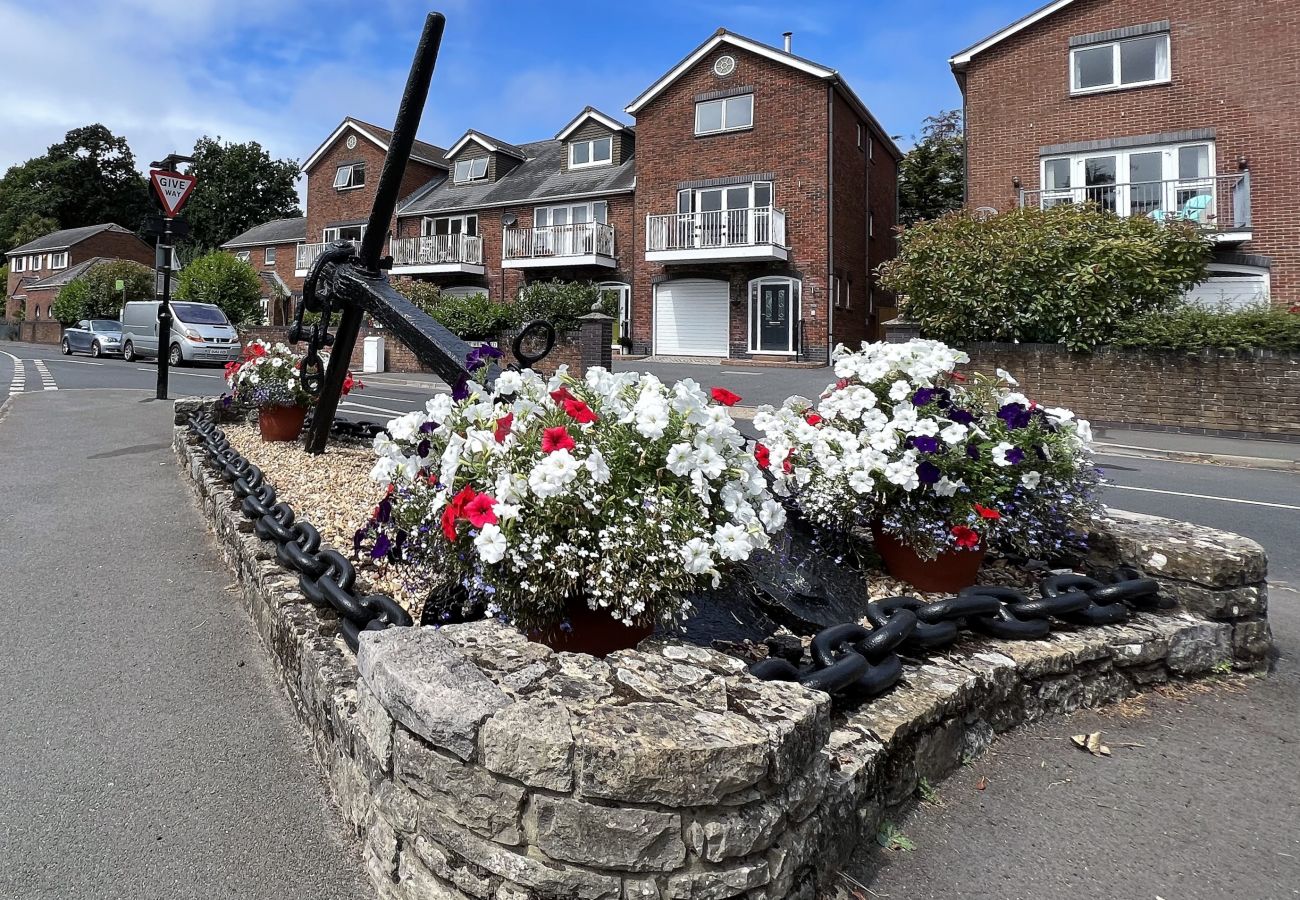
(774, 315)
(1146, 181)
(727, 216)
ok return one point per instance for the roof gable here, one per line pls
(422, 151)
(960, 60)
(491, 144)
(590, 114)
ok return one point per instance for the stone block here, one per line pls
(1182, 551)
(418, 883)
(464, 792)
(607, 837)
(1219, 603)
(795, 719)
(717, 884)
(429, 686)
(1198, 648)
(1252, 642)
(730, 831)
(375, 725)
(661, 753)
(656, 679)
(530, 741)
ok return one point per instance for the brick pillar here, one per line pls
(900, 331)
(595, 334)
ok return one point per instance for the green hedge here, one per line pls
(1191, 329)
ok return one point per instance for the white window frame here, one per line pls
(59, 260)
(1116, 71)
(754, 294)
(1169, 173)
(35, 262)
(623, 317)
(331, 234)
(548, 213)
(429, 224)
(345, 177)
(244, 256)
(36, 308)
(723, 101)
(591, 152)
(19, 264)
(471, 165)
(268, 256)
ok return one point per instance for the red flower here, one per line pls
(579, 411)
(967, 538)
(479, 511)
(812, 418)
(456, 510)
(841, 384)
(763, 455)
(957, 376)
(787, 465)
(257, 349)
(561, 395)
(725, 397)
(351, 383)
(503, 427)
(556, 439)
(986, 513)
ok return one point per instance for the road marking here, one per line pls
(1125, 487)
(47, 380)
(732, 372)
(78, 362)
(19, 380)
(391, 412)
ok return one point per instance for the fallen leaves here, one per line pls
(1092, 743)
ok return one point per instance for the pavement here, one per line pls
(146, 748)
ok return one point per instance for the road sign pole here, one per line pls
(165, 310)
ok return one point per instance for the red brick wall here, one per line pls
(1233, 66)
(110, 245)
(285, 265)
(1256, 394)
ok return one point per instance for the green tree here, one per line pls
(72, 301)
(239, 186)
(31, 228)
(88, 178)
(931, 176)
(1069, 274)
(105, 300)
(223, 280)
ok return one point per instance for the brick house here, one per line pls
(1164, 108)
(768, 194)
(272, 250)
(40, 268)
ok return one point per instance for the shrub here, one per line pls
(562, 303)
(1069, 274)
(474, 317)
(223, 280)
(105, 300)
(1190, 329)
(70, 304)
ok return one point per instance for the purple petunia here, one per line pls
(1016, 415)
(928, 473)
(382, 547)
(972, 451)
(926, 443)
(461, 390)
(384, 510)
(922, 396)
(1015, 455)
(422, 448)
(479, 356)
(961, 417)
(428, 427)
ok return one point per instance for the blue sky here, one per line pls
(284, 72)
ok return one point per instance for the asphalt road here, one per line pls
(1203, 805)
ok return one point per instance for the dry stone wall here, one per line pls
(475, 764)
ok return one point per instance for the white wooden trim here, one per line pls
(611, 124)
(964, 57)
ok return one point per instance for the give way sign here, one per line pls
(173, 189)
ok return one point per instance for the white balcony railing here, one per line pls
(717, 229)
(437, 250)
(558, 241)
(307, 254)
(1217, 203)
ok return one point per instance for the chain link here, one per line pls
(326, 577)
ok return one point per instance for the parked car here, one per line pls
(200, 333)
(98, 337)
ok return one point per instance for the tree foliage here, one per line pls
(225, 281)
(95, 294)
(561, 303)
(1069, 274)
(33, 227)
(1191, 329)
(931, 176)
(72, 301)
(88, 178)
(239, 186)
(473, 317)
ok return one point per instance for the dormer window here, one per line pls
(59, 260)
(20, 263)
(350, 176)
(597, 152)
(471, 170)
(724, 114)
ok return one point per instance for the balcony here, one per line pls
(307, 254)
(1219, 205)
(754, 234)
(436, 254)
(583, 244)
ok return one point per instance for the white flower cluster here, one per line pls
(615, 488)
(267, 374)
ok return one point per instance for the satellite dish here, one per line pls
(509, 219)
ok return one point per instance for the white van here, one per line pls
(200, 333)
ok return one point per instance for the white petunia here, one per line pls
(696, 556)
(1006, 376)
(954, 433)
(680, 458)
(1031, 479)
(491, 544)
(1084, 430)
(772, 515)
(732, 542)
(899, 390)
(861, 482)
(598, 468)
(509, 383)
(946, 487)
(1000, 454)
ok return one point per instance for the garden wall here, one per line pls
(475, 764)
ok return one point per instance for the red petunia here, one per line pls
(257, 349)
(503, 427)
(813, 419)
(556, 439)
(957, 376)
(561, 395)
(987, 513)
(725, 397)
(841, 384)
(787, 465)
(579, 411)
(455, 511)
(966, 537)
(763, 455)
(351, 383)
(479, 511)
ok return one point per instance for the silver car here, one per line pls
(98, 337)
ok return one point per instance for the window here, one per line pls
(20, 264)
(859, 134)
(598, 152)
(243, 255)
(571, 214)
(59, 260)
(350, 176)
(268, 256)
(471, 169)
(1103, 67)
(344, 233)
(467, 225)
(727, 114)
(38, 312)
(871, 225)
(1155, 181)
(35, 263)
(568, 230)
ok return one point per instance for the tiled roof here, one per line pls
(63, 276)
(539, 177)
(422, 149)
(61, 240)
(280, 231)
(494, 144)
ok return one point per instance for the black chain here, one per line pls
(862, 662)
(326, 577)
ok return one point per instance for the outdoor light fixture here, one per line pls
(1015, 182)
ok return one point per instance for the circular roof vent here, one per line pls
(352, 142)
(725, 65)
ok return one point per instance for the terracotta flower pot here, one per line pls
(948, 573)
(591, 631)
(280, 423)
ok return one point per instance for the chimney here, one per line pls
(787, 35)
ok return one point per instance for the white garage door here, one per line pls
(691, 318)
(1231, 286)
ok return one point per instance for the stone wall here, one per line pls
(475, 764)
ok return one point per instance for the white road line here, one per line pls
(391, 412)
(732, 372)
(47, 380)
(78, 362)
(19, 381)
(1125, 487)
